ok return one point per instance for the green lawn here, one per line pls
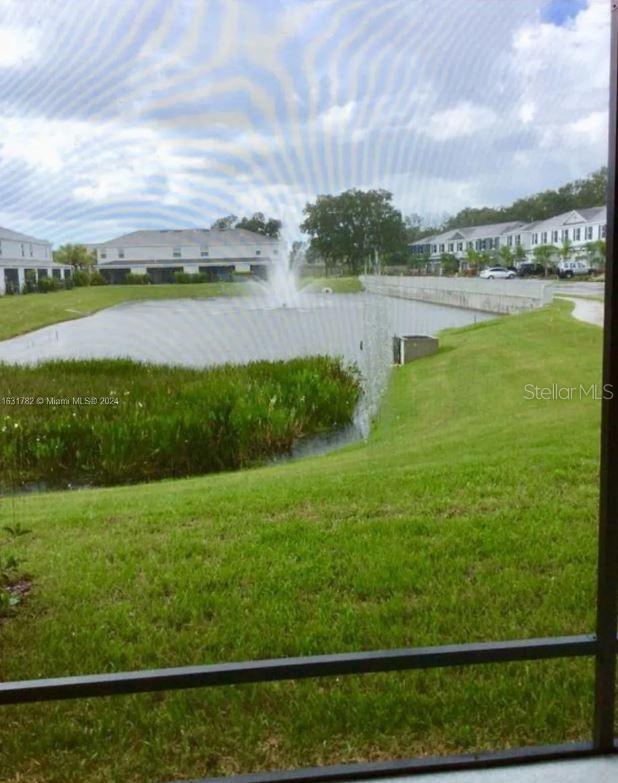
(470, 514)
(20, 314)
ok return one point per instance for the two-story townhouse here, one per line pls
(215, 253)
(22, 255)
(577, 228)
(459, 241)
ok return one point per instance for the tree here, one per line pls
(450, 264)
(225, 223)
(473, 259)
(76, 256)
(506, 255)
(258, 223)
(519, 254)
(416, 228)
(565, 249)
(544, 254)
(355, 228)
(269, 227)
(597, 254)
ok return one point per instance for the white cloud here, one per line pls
(463, 119)
(17, 45)
(336, 119)
(563, 72)
(527, 112)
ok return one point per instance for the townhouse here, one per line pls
(23, 256)
(215, 253)
(578, 228)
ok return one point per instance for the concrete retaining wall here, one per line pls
(472, 293)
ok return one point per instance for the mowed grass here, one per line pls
(20, 314)
(469, 515)
(338, 285)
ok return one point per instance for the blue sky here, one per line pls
(131, 114)
(560, 12)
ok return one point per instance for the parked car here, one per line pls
(497, 272)
(530, 269)
(567, 269)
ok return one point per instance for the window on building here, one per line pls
(497, 242)
(120, 252)
(103, 254)
(603, 232)
(588, 232)
(554, 236)
(577, 234)
(204, 251)
(176, 252)
(451, 247)
(435, 248)
(258, 252)
(565, 233)
(31, 250)
(535, 239)
(23, 250)
(518, 239)
(509, 241)
(460, 246)
(544, 237)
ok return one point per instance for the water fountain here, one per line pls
(281, 286)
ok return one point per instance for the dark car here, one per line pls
(530, 269)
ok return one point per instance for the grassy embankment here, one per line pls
(116, 421)
(338, 285)
(20, 314)
(470, 514)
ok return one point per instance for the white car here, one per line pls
(497, 272)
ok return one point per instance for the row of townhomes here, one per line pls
(216, 253)
(578, 228)
(22, 257)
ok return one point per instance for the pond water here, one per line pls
(202, 332)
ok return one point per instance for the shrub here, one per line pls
(81, 277)
(168, 421)
(85, 277)
(68, 283)
(96, 278)
(137, 279)
(30, 285)
(47, 284)
(186, 277)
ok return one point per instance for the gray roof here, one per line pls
(15, 236)
(573, 217)
(187, 236)
(470, 233)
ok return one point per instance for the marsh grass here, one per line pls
(104, 422)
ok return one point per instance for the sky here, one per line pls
(127, 114)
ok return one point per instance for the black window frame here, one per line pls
(602, 645)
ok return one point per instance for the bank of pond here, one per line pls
(105, 422)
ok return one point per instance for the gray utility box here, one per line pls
(413, 346)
